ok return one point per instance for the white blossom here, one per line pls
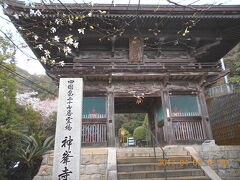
(40, 46)
(52, 61)
(16, 16)
(67, 50)
(43, 59)
(35, 37)
(75, 44)
(5, 5)
(27, 3)
(57, 21)
(38, 13)
(32, 12)
(47, 53)
(90, 14)
(70, 22)
(35, 13)
(45, 107)
(53, 30)
(61, 63)
(56, 38)
(81, 31)
(69, 40)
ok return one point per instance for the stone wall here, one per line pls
(224, 116)
(214, 156)
(93, 165)
(97, 161)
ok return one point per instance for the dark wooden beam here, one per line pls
(168, 129)
(205, 117)
(110, 119)
(113, 46)
(159, 49)
(205, 48)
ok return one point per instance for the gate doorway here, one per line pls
(135, 120)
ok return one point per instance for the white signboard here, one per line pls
(66, 164)
(131, 141)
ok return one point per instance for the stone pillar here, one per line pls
(110, 120)
(67, 149)
(205, 117)
(168, 129)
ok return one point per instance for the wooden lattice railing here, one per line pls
(94, 132)
(188, 130)
(108, 65)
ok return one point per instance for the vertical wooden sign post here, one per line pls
(67, 150)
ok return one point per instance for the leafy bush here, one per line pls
(30, 154)
(48, 124)
(238, 161)
(33, 148)
(131, 125)
(128, 121)
(27, 120)
(8, 158)
(139, 133)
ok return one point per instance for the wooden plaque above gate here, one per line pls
(135, 49)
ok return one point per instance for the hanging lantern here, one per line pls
(139, 97)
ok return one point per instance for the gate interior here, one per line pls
(94, 124)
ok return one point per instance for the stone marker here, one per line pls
(66, 164)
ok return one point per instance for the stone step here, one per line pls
(151, 154)
(151, 149)
(178, 178)
(133, 160)
(160, 174)
(154, 166)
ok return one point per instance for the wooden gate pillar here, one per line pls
(110, 120)
(158, 125)
(205, 117)
(151, 122)
(168, 128)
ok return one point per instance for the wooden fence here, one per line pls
(94, 133)
(188, 130)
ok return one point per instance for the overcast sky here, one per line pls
(34, 67)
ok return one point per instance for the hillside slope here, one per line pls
(25, 86)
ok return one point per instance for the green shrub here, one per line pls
(30, 154)
(9, 140)
(139, 133)
(238, 161)
(146, 127)
(131, 125)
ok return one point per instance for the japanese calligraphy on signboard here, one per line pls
(68, 130)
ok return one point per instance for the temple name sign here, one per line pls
(67, 149)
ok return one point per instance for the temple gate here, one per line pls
(161, 57)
